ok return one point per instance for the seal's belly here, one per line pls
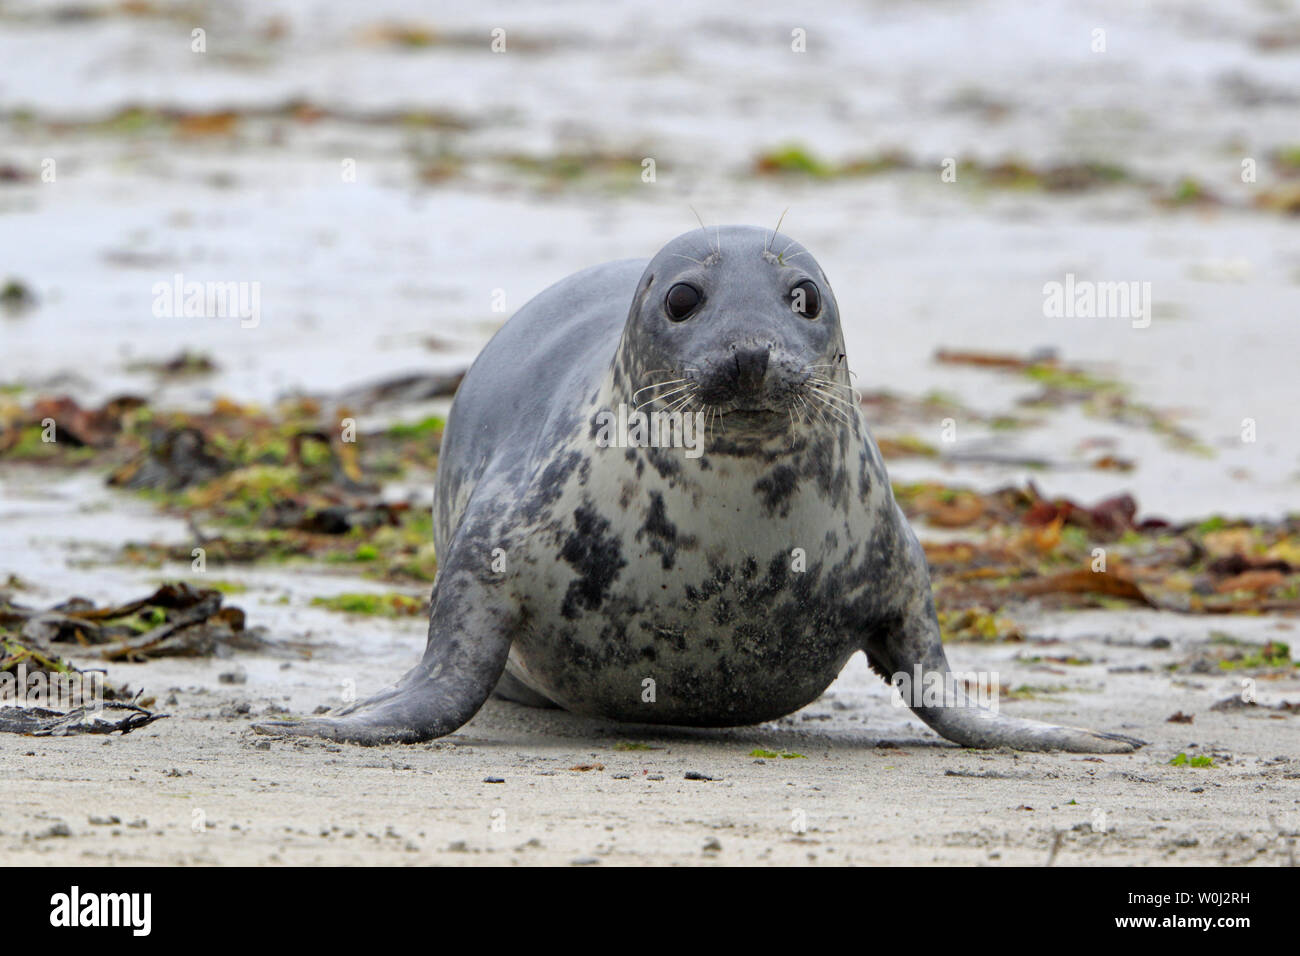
(746, 643)
(664, 590)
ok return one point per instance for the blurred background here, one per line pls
(396, 188)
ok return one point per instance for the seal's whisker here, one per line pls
(826, 402)
(690, 390)
(692, 258)
(677, 403)
(807, 412)
(646, 388)
(677, 388)
(847, 386)
(822, 380)
(822, 415)
(659, 398)
(822, 390)
(835, 410)
(852, 374)
(669, 381)
(705, 230)
(767, 246)
(810, 410)
(835, 415)
(857, 396)
(838, 415)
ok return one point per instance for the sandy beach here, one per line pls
(870, 785)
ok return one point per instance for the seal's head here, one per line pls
(738, 321)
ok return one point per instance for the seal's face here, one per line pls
(739, 321)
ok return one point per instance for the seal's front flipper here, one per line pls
(911, 647)
(916, 651)
(469, 640)
(971, 725)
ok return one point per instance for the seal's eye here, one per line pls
(682, 300)
(805, 300)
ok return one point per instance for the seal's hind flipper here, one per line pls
(469, 640)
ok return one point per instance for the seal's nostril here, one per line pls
(751, 366)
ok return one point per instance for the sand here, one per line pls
(870, 784)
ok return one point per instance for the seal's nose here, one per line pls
(751, 366)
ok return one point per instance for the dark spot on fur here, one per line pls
(776, 488)
(597, 557)
(627, 491)
(666, 463)
(661, 533)
(722, 612)
(546, 489)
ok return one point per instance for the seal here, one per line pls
(722, 575)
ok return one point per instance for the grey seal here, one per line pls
(725, 580)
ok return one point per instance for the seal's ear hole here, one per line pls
(682, 299)
(805, 300)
